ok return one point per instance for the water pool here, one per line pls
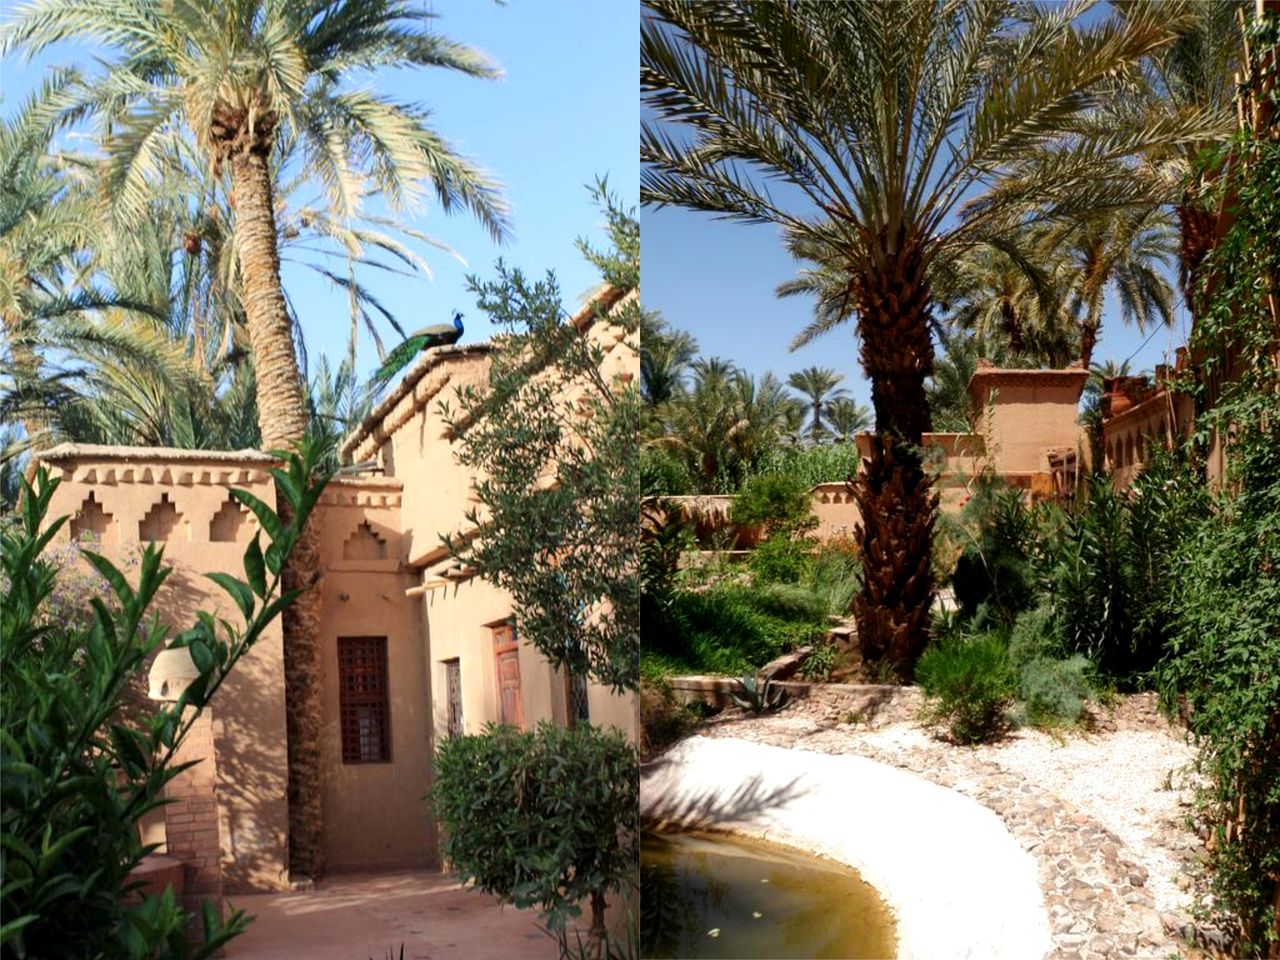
(713, 895)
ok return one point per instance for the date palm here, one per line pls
(847, 418)
(248, 78)
(1128, 251)
(820, 386)
(665, 356)
(1193, 75)
(904, 132)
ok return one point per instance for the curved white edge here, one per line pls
(957, 881)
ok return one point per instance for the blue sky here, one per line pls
(566, 112)
(716, 280)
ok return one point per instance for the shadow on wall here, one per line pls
(249, 737)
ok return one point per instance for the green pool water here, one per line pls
(711, 895)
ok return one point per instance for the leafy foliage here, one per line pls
(993, 569)
(1225, 645)
(780, 503)
(970, 684)
(78, 771)
(559, 481)
(545, 818)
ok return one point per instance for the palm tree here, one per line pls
(847, 418)
(905, 132)
(819, 386)
(1125, 250)
(1192, 75)
(248, 78)
(665, 355)
(1012, 295)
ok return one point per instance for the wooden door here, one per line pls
(506, 652)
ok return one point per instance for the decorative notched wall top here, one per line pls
(160, 522)
(93, 523)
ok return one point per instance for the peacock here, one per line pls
(436, 335)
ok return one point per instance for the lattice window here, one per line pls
(160, 522)
(363, 706)
(579, 710)
(453, 695)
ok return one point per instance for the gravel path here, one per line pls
(1103, 813)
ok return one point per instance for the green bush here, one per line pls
(781, 559)
(663, 474)
(1054, 692)
(778, 502)
(970, 683)
(547, 818)
(78, 768)
(995, 534)
(731, 628)
(818, 666)
(834, 576)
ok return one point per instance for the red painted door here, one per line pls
(506, 652)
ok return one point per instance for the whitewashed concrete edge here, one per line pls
(958, 882)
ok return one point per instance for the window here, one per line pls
(453, 696)
(578, 712)
(362, 699)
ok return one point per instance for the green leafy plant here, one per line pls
(781, 559)
(970, 684)
(820, 663)
(546, 818)
(564, 550)
(757, 695)
(779, 502)
(1223, 658)
(77, 771)
(996, 534)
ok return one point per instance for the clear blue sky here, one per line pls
(716, 280)
(566, 112)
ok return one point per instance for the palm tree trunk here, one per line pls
(893, 492)
(1196, 228)
(1088, 340)
(282, 417)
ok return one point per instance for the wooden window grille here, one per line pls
(453, 692)
(579, 710)
(362, 700)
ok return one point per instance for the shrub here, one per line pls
(835, 577)
(970, 683)
(78, 770)
(818, 666)
(781, 559)
(547, 818)
(731, 629)
(1054, 692)
(664, 719)
(778, 502)
(663, 474)
(993, 569)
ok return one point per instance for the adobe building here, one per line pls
(415, 646)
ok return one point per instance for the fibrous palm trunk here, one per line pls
(893, 492)
(282, 416)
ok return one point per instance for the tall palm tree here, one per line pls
(247, 78)
(905, 132)
(847, 418)
(1193, 75)
(820, 386)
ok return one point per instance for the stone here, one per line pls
(1138, 876)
